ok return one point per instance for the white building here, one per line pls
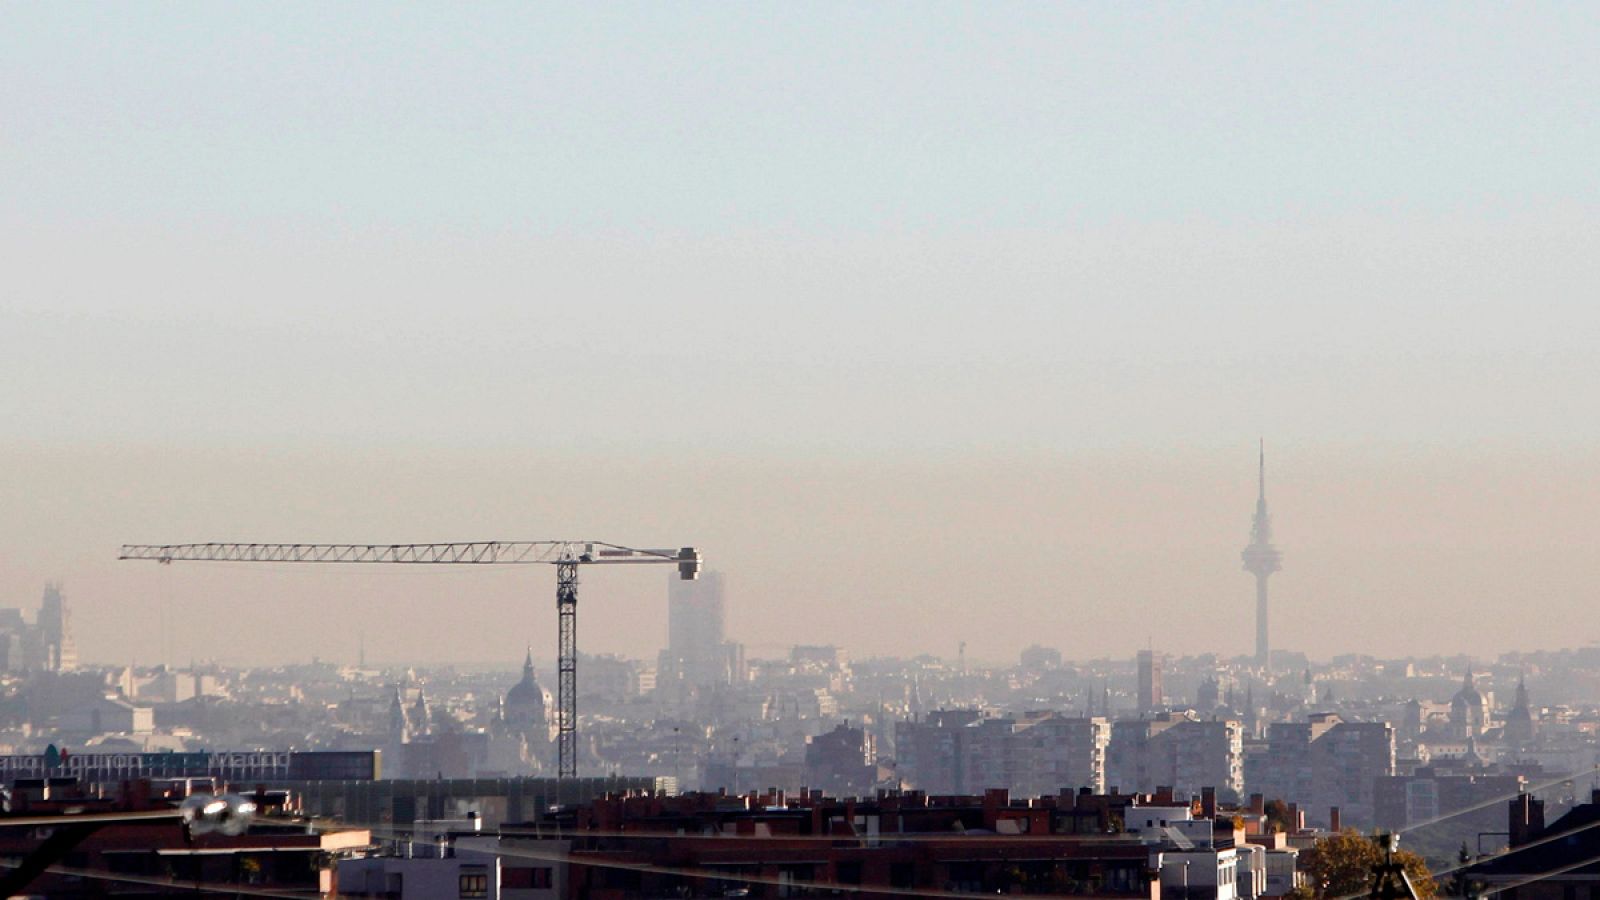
(1191, 865)
(1203, 873)
(1174, 825)
(1283, 871)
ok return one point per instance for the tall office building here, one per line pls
(1150, 696)
(697, 650)
(1261, 559)
(55, 631)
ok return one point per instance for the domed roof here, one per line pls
(1468, 695)
(526, 693)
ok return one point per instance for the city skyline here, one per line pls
(1436, 531)
(524, 598)
(923, 348)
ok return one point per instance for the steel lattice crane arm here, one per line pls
(462, 552)
(566, 556)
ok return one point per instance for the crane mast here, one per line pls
(566, 556)
(567, 669)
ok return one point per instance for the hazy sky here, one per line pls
(926, 321)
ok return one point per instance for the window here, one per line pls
(847, 872)
(525, 878)
(474, 885)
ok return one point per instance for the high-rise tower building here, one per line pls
(1261, 559)
(1150, 694)
(697, 650)
(55, 631)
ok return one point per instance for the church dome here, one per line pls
(1469, 712)
(1468, 695)
(525, 700)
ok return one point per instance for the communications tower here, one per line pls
(1261, 559)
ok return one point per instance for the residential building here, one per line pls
(1325, 763)
(1401, 801)
(1179, 751)
(842, 762)
(768, 844)
(282, 856)
(1567, 868)
(1035, 753)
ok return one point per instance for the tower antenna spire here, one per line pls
(1260, 557)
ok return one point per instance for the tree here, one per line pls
(1277, 813)
(1341, 865)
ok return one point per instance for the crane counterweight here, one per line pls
(689, 564)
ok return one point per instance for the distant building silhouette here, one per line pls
(1262, 559)
(698, 654)
(46, 644)
(953, 751)
(1150, 694)
(399, 724)
(1036, 658)
(55, 626)
(842, 762)
(1520, 726)
(1469, 709)
(1176, 750)
(525, 706)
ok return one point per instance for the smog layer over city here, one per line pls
(658, 451)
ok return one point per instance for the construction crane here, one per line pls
(566, 556)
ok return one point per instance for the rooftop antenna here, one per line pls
(162, 624)
(1389, 878)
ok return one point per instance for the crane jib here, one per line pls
(565, 555)
(472, 552)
